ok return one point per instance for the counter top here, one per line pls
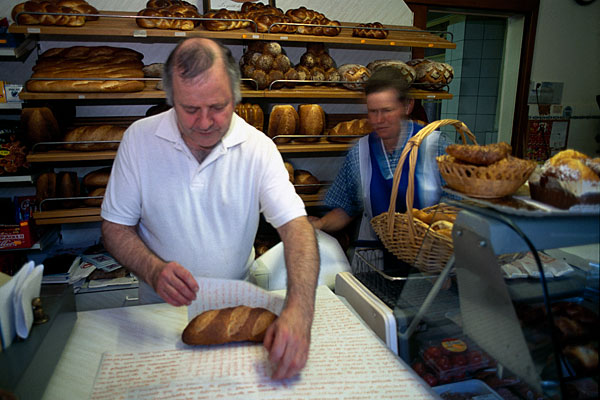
(137, 351)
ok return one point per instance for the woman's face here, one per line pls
(386, 113)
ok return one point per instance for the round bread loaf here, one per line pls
(303, 177)
(407, 71)
(355, 75)
(283, 120)
(431, 75)
(100, 191)
(312, 121)
(98, 178)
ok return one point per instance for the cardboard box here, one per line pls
(18, 236)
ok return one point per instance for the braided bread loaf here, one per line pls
(374, 30)
(225, 20)
(226, 325)
(162, 11)
(74, 9)
(314, 22)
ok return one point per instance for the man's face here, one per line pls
(204, 107)
(386, 113)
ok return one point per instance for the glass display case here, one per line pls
(477, 321)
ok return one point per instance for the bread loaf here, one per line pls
(301, 178)
(283, 120)
(312, 121)
(98, 178)
(80, 62)
(355, 75)
(170, 10)
(355, 127)
(252, 114)
(39, 125)
(70, 13)
(68, 186)
(407, 71)
(94, 133)
(45, 188)
(374, 30)
(431, 75)
(290, 169)
(226, 325)
(99, 191)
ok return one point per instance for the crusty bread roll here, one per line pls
(98, 178)
(303, 177)
(99, 191)
(354, 127)
(284, 120)
(226, 325)
(94, 133)
(312, 121)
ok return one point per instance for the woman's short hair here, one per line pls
(193, 58)
(385, 78)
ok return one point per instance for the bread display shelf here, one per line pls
(122, 24)
(306, 92)
(312, 200)
(73, 215)
(59, 156)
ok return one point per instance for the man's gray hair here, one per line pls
(194, 59)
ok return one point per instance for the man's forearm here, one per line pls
(125, 245)
(302, 261)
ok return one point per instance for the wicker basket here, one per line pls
(497, 180)
(406, 237)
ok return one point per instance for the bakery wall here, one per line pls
(566, 50)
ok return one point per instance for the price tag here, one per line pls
(33, 30)
(140, 33)
(283, 38)
(255, 36)
(81, 96)
(183, 34)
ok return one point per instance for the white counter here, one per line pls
(137, 352)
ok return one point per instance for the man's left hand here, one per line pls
(288, 340)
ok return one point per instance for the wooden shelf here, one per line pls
(122, 24)
(68, 216)
(301, 92)
(322, 146)
(58, 156)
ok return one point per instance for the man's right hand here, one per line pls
(175, 284)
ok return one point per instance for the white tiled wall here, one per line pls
(476, 61)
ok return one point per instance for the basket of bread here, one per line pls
(421, 238)
(483, 171)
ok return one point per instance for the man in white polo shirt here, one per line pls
(186, 192)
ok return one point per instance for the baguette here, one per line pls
(94, 133)
(226, 325)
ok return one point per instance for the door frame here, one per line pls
(529, 10)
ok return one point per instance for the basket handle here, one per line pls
(413, 144)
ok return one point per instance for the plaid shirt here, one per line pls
(346, 190)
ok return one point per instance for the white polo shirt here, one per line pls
(204, 216)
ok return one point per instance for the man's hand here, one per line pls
(287, 340)
(175, 284)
